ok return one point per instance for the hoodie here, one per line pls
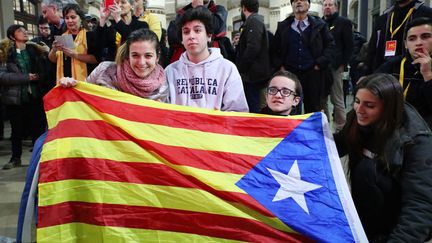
(214, 83)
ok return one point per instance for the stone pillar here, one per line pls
(157, 7)
(343, 8)
(363, 17)
(274, 19)
(6, 17)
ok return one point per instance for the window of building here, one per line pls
(25, 13)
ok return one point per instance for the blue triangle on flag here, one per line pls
(321, 216)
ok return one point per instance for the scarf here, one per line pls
(79, 69)
(130, 83)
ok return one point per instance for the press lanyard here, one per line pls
(397, 29)
(401, 77)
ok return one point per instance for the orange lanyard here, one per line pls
(401, 77)
(393, 33)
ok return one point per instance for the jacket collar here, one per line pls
(412, 127)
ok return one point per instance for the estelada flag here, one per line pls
(118, 168)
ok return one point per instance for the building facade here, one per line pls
(362, 12)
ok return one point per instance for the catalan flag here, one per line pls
(118, 168)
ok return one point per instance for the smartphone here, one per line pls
(108, 3)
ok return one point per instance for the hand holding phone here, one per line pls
(108, 3)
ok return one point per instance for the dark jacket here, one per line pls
(252, 51)
(395, 203)
(419, 93)
(321, 43)
(106, 37)
(358, 41)
(341, 30)
(219, 29)
(12, 78)
(381, 33)
(43, 40)
(125, 29)
(58, 31)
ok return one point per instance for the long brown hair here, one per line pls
(387, 89)
(137, 35)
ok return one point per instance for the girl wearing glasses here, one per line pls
(283, 94)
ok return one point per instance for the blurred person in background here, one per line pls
(79, 61)
(21, 88)
(140, 11)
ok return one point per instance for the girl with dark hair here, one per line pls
(390, 162)
(78, 61)
(136, 70)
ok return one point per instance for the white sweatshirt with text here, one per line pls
(214, 83)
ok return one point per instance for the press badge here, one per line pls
(390, 48)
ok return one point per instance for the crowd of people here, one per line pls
(386, 135)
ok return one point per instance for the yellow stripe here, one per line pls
(257, 146)
(114, 95)
(189, 199)
(401, 77)
(126, 151)
(67, 233)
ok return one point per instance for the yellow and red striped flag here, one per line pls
(118, 168)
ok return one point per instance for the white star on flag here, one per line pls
(292, 186)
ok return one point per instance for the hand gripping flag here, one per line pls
(118, 168)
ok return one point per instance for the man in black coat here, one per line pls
(387, 38)
(341, 30)
(252, 59)
(304, 46)
(414, 69)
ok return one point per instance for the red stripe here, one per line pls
(242, 126)
(140, 173)
(202, 159)
(163, 219)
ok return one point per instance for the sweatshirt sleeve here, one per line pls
(234, 98)
(94, 75)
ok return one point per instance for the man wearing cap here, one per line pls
(304, 46)
(92, 22)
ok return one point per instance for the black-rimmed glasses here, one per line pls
(285, 92)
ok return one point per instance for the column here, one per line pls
(363, 17)
(6, 16)
(158, 7)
